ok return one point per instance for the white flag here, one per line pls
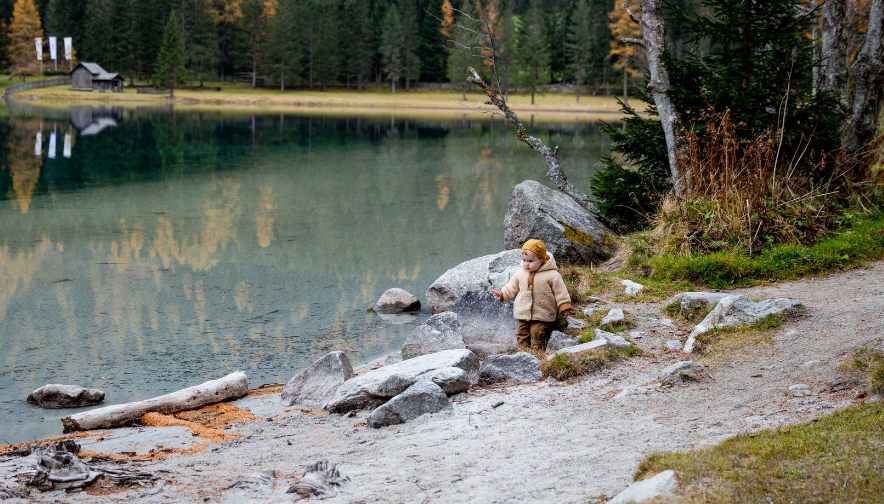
(38, 147)
(39, 43)
(52, 52)
(67, 145)
(52, 145)
(68, 48)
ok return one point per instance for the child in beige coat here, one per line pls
(539, 292)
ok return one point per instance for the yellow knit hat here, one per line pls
(537, 247)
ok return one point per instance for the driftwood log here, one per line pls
(232, 386)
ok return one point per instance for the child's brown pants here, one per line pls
(532, 333)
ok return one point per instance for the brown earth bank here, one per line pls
(578, 441)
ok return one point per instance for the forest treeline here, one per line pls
(353, 43)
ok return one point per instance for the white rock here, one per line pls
(632, 288)
(491, 271)
(584, 347)
(738, 311)
(316, 384)
(396, 300)
(660, 485)
(614, 316)
(588, 311)
(681, 371)
(673, 345)
(576, 324)
(611, 338)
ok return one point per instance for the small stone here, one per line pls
(613, 339)
(559, 340)
(660, 485)
(810, 363)
(584, 347)
(588, 311)
(682, 371)
(673, 344)
(636, 334)
(593, 299)
(667, 322)
(632, 288)
(614, 316)
(396, 300)
(576, 324)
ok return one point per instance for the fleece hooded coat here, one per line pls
(539, 295)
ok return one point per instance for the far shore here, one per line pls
(417, 103)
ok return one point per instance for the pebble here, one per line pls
(674, 344)
(636, 334)
(576, 324)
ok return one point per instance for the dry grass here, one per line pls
(568, 365)
(868, 362)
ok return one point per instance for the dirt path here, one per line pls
(551, 442)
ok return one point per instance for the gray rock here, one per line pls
(593, 299)
(576, 324)
(451, 380)
(636, 334)
(377, 386)
(570, 232)
(559, 340)
(681, 371)
(584, 347)
(521, 367)
(55, 396)
(419, 399)
(614, 316)
(396, 300)
(437, 333)
(660, 485)
(316, 384)
(588, 311)
(739, 310)
(491, 271)
(486, 324)
(667, 322)
(632, 288)
(673, 344)
(690, 301)
(611, 338)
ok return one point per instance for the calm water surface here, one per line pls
(144, 251)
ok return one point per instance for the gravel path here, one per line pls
(551, 442)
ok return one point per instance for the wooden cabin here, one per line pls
(91, 77)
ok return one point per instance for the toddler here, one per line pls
(539, 292)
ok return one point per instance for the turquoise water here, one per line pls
(174, 247)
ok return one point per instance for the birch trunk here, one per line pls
(232, 386)
(868, 74)
(834, 73)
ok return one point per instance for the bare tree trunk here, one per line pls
(834, 73)
(625, 89)
(232, 386)
(653, 41)
(868, 74)
(254, 71)
(549, 155)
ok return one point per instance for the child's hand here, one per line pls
(497, 295)
(566, 313)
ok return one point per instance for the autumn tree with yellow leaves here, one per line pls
(622, 27)
(25, 25)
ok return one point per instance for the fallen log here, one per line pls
(232, 386)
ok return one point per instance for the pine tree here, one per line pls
(201, 40)
(171, 70)
(533, 53)
(581, 45)
(431, 48)
(284, 44)
(328, 49)
(462, 50)
(251, 40)
(411, 64)
(505, 43)
(362, 50)
(25, 25)
(97, 46)
(391, 46)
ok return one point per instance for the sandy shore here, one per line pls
(578, 441)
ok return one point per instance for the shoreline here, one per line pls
(573, 441)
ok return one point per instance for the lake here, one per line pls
(147, 250)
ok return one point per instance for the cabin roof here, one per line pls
(97, 72)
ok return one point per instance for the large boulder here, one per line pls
(521, 368)
(55, 396)
(491, 271)
(732, 311)
(437, 333)
(419, 399)
(316, 384)
(377, 386)
(397, 300)
(487, 325)
(569, 231)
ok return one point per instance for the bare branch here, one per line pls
(632, 15)
(630, 40)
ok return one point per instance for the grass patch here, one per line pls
(725, 342)
(870, 363)
(864, 241)
(695, 313)
(570, 365)
(833, 459)
(585, 281)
